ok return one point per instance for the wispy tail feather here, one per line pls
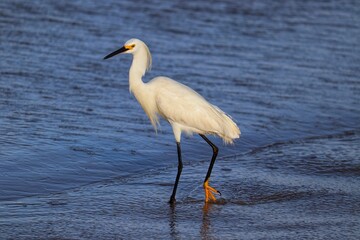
(228, 131)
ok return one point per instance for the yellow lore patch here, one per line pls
(129, 47)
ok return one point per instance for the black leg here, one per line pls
(215, 153)
(180, 166)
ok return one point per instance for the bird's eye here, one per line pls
(132, 46)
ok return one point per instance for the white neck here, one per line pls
(138, 68)
(135, 78)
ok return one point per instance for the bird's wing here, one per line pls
(179, 103)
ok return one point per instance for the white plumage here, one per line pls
(182, 107)
(189, 112)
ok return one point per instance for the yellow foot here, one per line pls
(209, 196)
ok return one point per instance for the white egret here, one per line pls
(182, 107)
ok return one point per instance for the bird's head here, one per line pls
(131, 46)
(137, 48)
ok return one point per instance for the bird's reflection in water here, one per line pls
(206, 223)
(172, 223)
(205, 230)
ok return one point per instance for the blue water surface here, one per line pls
(286, 71)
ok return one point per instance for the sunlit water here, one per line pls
(77, 150)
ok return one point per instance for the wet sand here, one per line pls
(295, 202)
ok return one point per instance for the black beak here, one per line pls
(121, 50)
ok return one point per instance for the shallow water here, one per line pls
(78, 153)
